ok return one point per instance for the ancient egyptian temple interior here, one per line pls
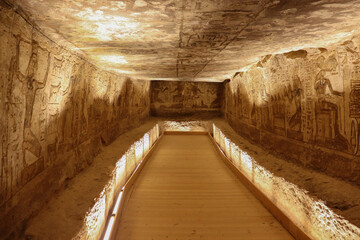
(180, 119)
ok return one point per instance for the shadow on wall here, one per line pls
(304, 105)
(170, 99)
(57, 111)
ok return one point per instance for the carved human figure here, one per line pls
(321, 83)
(178, 93)
(66, 119)
(31, 143)
(326, 110)
(196, 94)
(295, 94)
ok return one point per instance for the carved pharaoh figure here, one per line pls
(31, 143)
(327, 111)
(295, 95)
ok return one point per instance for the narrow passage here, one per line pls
(185, 191)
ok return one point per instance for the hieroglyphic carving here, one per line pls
(185, 98)
(47, 110)
(312, 97)
(207, 27)
(354, 104)
(15, 101)
(207, 40)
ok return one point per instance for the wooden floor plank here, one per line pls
(185, 191)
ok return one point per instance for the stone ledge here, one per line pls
(68, 212)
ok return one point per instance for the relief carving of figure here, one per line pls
(31, 143)
(322, 83)
(265, 109)
(327, 113)
(179, 93)
(296, 94)
(66, 119)
(278, 109)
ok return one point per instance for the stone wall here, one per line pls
(185, 98)
(304, 105)
(56, 111)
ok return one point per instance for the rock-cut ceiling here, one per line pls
(203, 40)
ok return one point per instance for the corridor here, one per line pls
(185, 191)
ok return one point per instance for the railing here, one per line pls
(310, 215)
(102, 212)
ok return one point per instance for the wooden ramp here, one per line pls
(185, 191)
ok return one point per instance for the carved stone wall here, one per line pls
(304, 105)
(186, 98)
(56, 111)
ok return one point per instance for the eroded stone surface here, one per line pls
(57, 110)
(197, 40)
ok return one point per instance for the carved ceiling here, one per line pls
(203, 40)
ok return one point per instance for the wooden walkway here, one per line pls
(185, 191)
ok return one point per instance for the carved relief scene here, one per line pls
(308, 95)
(185, 98)
(200, 36)
(90, 91)
(56, 111)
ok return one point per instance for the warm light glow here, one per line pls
(109, 228)
(311, 215)
(96, 217)
(120, 71)
(117, 204)
(222, 141)
(139, 153)
(146, 143)
(246, 162)
(131, 160)
(120, 170)
(115, 59)
(183, 126)
(107, 27)
(120, 28)
(227, 147)
(139, 149)
(235, 154)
